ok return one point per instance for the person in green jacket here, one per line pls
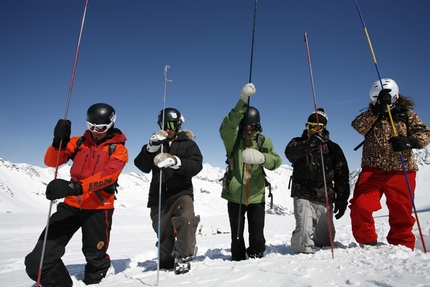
(244, 181)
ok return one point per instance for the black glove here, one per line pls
(340, 207)
(59, 188)
(315, 140)
(384, 97)
(62, 132)
(401, 143)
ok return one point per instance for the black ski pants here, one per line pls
(257, 242)
(95, 225)
(177, 230)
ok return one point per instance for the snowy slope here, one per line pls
(24, 211)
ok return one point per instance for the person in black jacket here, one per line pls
(172, 153)
(308, 186)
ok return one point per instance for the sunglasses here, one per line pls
(169, 126)
(314, 126)
(98, 128)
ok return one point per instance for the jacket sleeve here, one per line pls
(228, 129)
(192, 163)
(364, 122)
(296, 149)
(418, 129)
(273, 160)
(341, 175)
(51, 154)
(145, 160)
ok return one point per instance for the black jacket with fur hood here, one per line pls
(175, 182)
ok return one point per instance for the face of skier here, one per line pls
(171, 129)
(249, 128)
(98, 136)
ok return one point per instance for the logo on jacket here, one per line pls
(99, 184)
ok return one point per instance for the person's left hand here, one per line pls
(340, 207)
(59, 188)
(253, 156)
(401, 143)
(165, 159)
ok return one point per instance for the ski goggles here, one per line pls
(249, 128)
(169, 126)
(314, 126)
(99, 128)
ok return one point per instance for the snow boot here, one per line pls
(181, 266)
(372, 243)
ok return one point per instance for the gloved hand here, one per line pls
(155, 141)
(315, 140)
(167, 160)
(340, 207)
(253, 156)
(59, 188)
(384, 97)
(247, 91)
(401, 143)
(62, 131)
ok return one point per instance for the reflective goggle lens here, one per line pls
(249, 128)
(169, 125)
(314, 126)
(101, 128)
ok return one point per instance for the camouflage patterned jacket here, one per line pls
(307, 178)
(377, 151)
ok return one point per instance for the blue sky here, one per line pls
(126, 45)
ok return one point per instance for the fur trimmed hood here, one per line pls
(188, 133)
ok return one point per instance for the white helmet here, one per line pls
(387, 83)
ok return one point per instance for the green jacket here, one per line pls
(253, 190)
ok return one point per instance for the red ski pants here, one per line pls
(372, 183)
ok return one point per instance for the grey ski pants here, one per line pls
(177, 230)
(311, 226)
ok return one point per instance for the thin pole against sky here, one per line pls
(329, 212)
(72, 79)
(161, 177)
(246, 115)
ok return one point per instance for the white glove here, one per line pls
(253, 156)
(167, 160)
(247, 91)
(155, 141)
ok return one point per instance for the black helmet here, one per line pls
(170, 115)
(251, 118)
(101, 114)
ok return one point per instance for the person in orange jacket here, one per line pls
(98, 159)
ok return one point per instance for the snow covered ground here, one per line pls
(24, 210)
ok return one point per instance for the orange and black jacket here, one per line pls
(93, 168)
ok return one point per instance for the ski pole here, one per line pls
(329, 211)
(161, 178)
(247, 111)
(72, 79)
(411, 196)
(252, 42)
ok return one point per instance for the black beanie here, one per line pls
(322, 117)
